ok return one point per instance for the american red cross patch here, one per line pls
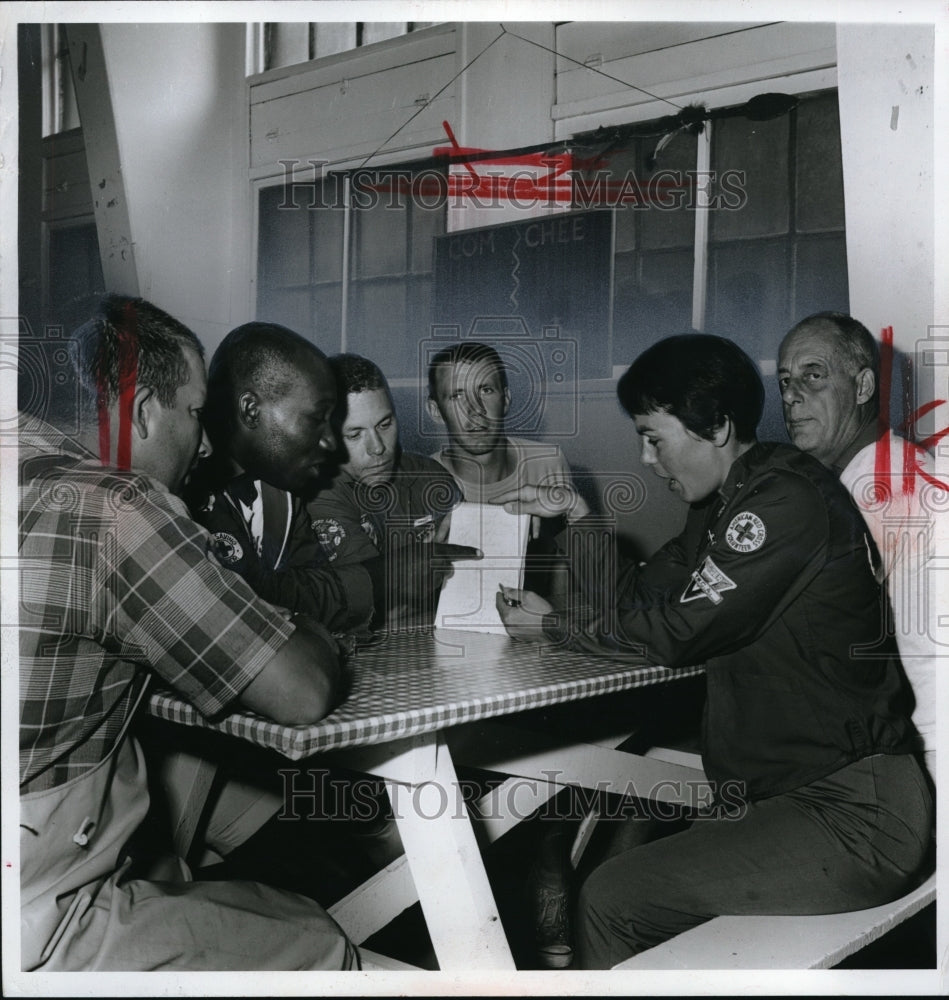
(746, 532)
(226, 548)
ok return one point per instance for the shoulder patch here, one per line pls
(330, 534)
(226, 548)
(707, 581)
(366, 523)
(746, 532)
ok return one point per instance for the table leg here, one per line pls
(448, 871)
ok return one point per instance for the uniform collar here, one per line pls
(743, 467)
(243, 488)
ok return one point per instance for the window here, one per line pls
(60, 264)
(654, 242)
(783, 255)
(282, 43)
(75, 271)
(60, 111)
(776, 248)
(764, 219)
(347, 260)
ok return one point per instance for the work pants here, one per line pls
(857, 838)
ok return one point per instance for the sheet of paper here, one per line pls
(467, 599)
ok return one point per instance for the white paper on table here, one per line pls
(467, 599)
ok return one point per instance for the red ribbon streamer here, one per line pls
(128, 374)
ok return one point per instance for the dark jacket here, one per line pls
(772, 585)
(287, 565)
(352, 521)
(362, 525)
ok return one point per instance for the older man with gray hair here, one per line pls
(829, 375)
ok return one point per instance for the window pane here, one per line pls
(749, 295)
(329, 37)
(820, 278)
(653, 299)
(300, 264)
(419, 312)
(626, 225)
(622, 163)
(75, 269)
(759, 150)
(69, 109)
(284, 241)
(427, 223)
(381, 238)
(286, 306)
(328, 244)
(669, 221)
(377, 326)
(327, 317)
(820, 182)
(287, 43)
(379, 31)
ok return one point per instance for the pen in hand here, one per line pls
(509, 601)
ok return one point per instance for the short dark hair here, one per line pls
(131, 336)
(699, 378)
(258, 355)
(354, 373)
(855, 341)
(464, 352)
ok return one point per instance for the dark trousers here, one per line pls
(855, 839)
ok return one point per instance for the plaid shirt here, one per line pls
(117, 581)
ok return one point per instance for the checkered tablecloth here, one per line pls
(418, 683)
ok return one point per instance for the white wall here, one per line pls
(179, 100)
(885, 91)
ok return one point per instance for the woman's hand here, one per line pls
(522, 613)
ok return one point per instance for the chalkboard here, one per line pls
(546, 279)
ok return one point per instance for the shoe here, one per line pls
(550, 908)
(380, 842)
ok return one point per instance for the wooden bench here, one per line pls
(786, 942)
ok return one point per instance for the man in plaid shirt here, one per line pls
(117, 582)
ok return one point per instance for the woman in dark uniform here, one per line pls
(806, 732)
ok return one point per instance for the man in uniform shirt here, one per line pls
(270, 398)
(380, 496)
(118, 584)
(267, 415)
(271, 395)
